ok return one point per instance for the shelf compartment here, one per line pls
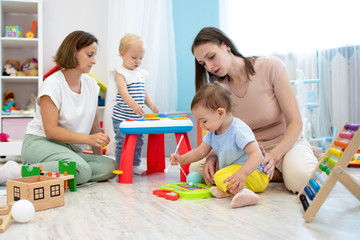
(19, 7)
(12, 42)
(19, 79)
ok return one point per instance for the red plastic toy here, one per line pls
(167, 194)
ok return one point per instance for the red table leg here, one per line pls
(155, 153)
(127, 158)
(184, 147)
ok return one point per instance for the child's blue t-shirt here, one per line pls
(229, 146)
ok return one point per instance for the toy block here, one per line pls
(70, 169)
(27, 172)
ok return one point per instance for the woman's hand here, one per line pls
(269, 162)
(98, 139)
(210, 168)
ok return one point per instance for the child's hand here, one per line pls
(175, 159)
(237, 181)
(154, 109)
(138, 110)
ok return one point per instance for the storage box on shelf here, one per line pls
(23, 47)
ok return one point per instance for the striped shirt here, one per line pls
(135, 83)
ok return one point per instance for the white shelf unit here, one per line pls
(19, 13)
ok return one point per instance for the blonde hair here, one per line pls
(213, 96)
(130, 40)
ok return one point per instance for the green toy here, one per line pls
(189, 191)
(69, 168)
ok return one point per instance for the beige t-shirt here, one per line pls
(259, 108)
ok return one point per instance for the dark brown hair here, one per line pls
(216, 36)
(65, 55)
(213, 96)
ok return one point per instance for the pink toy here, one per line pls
(5, 137)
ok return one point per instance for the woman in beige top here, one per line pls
(263, 98)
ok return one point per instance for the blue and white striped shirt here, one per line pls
(135, 82)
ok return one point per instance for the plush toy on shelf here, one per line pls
(11, 68)
(30, 67)
(4, 137)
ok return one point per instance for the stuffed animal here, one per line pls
(11, 68)
(30, 67)
(5, 137)
(14, 63)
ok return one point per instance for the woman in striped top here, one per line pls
(131, 96)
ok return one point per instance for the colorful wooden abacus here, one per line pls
(331, 169)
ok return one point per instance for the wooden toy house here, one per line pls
(43, 191)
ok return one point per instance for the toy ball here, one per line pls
(194, 177)
(22, 211)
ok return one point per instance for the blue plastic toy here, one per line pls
(194, 177)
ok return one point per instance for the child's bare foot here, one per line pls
(216, 192)
(244, 198)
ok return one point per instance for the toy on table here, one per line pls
(331, 169)
(13, 31)
(157, 123)
(31, 33)
(22, 211)
(189, 191)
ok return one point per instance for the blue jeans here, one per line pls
(120, 139)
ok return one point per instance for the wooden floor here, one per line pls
(109, 210)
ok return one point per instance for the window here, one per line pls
(16, 193)
(39, 193)
(55, 190)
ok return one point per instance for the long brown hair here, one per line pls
(216, 36)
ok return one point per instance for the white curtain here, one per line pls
(152, 20)
(319, 38)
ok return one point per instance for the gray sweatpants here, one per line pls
(37, 150)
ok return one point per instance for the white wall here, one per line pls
(62, 17)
